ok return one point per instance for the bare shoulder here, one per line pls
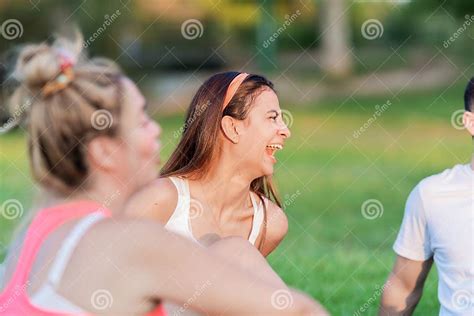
(157, 201)
(125, 241)
(135, 246)
(277, 227)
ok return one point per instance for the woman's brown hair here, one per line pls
(60, 123)
(199, 145)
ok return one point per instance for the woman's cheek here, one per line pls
(149, 145)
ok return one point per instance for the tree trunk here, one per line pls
(335, 39)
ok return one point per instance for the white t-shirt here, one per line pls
(439, 223)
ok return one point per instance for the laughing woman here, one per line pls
(218, 181)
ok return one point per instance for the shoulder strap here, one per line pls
(68, 246)
(43, 224)
(184, 197)
(180, 185)
(257, 219)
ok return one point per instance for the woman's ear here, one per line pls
(104, 153)
(468, 120)
(229, 128)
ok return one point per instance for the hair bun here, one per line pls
(37, 65)
(40, 64)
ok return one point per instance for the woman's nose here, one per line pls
(284, 131)
(156, 128)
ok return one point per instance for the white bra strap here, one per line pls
(69, 245)
(186, 190)
(184, 197)
(180, 185)
(257, 219)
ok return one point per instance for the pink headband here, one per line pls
(232, 89)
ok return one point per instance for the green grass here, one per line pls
(332, 251)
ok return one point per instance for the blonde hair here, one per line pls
(61, 123)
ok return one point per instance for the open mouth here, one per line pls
(272, 148)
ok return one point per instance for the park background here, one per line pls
(372, 91)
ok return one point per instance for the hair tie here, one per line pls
(233, 86)
(65, 76)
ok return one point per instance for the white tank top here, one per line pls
(179, 221)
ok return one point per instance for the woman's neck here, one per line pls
(110, 196)
(225, 188)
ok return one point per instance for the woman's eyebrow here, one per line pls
(274, 111)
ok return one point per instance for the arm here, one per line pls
(169, 267)
(404, 286)
(277, 227)
(238, 252)
(230, 290)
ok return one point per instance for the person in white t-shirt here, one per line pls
(438, 226)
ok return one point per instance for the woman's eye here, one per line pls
(274, 118)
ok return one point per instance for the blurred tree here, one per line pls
(458, 8)
(265, 29)
(335, 39)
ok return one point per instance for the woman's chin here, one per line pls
(267, 170)
(149, 176)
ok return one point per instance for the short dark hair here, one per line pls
(469, 95)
